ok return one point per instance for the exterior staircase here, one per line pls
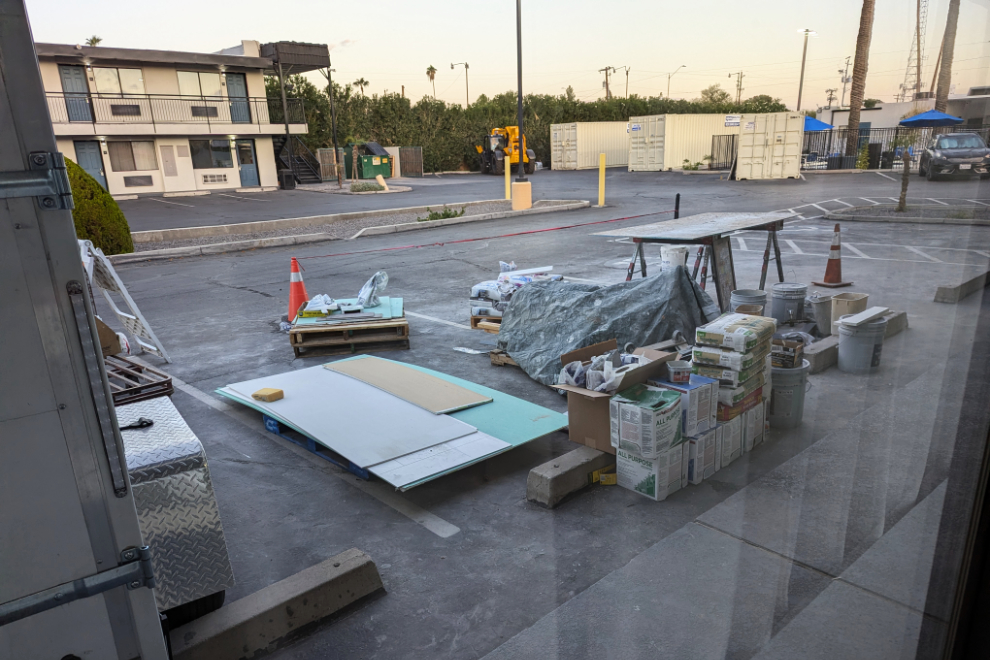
(304, 165)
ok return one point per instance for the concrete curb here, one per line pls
(825, 352)
(856, 171)
(852, 216)
(548, 484)
(391, 190)
(303, 239)
(185, 233)
(279, 613)
(411, 226)
(953, 294)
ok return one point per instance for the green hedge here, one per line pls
(96, 215)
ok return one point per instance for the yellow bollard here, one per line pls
(508, 179)
(601, 180)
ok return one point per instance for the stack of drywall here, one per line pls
(735, 350)
(645, 429)
(699, 410)
(491, 297)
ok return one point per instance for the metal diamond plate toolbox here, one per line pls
(176, 506)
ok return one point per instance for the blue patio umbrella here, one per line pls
(931, 118)
(812, 124)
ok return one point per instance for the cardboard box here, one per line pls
(701, 457)
(726, 413)
(696, 402)
(739, 332)
(730, 396)
(727, 377)
(109, 341)
(645, 420)
(655, 478)
(759, 423)
(718, 447)
(786, 353)
(587, 410)
(731, 441)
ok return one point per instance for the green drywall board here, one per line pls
(389, 308)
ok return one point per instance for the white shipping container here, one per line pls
(769, 146)
(577, 145)
(663, 142)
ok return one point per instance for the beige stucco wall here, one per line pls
(160, 80)
(50, 77)
(265, 156)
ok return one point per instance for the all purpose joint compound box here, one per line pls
(718, 447)
(696, 402)
(730, 359)
(701, 457)
(645, 420)
(740, 332)
(655, 478)
(731, 440)
(727, 377)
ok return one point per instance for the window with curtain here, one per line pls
(111, 80)
(132, 156)
(202, 83)
(210, 154)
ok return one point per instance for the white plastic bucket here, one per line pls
(787, 395)
(679, 371)
(672, 256)
(860, 346)
(788, 301)
(847, 303)
(748, 297)
(821, 303)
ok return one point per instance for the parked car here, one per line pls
(955, 154)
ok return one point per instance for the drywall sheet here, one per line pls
(358, 421)
(389, 308)
(442, 458)
(418, 388)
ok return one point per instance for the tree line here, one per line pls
(448, 132)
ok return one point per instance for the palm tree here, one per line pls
(860, 66)
(361, 82)
(431, 73)
(94, 41)
(948, 45)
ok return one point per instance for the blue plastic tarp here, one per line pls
(812, 124)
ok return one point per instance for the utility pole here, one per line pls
(467, 92)
(628, 69)
(519, 98)
(671, 75)
(845, 79)
(739, 88)
(804, 55)
(831, 95)
(608, 90)
(333, 125)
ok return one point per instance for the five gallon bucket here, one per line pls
(756, 297)
(787, 398)
(672, 256)
(860, 346)
(846, 303)
(821, 304)
(788, 301)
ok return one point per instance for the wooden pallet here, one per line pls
(350, 338)
(131, 381)
(489, 324)
(500, 358)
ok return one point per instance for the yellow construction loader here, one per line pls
(501, 146)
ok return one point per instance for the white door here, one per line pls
(637, 144)
(752, 147)
(556, 147)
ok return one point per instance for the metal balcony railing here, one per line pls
(67, 108)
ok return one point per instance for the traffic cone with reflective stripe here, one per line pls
(297, 291)
(833, 270)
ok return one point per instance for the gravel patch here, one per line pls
(339, 229)
(934, 211)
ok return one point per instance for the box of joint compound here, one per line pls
(645, 420)
(718, 447)
(701, 457)
(731, 441)
(696, 402)
(727, 377)
(730, 396)
(730, 359)
(740, 332)
(655, 478)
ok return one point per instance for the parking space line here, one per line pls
(855, 250)
(793, 246)
(868, 199)
(436, 320)
(893, 199)
(742, 243)
(936, 201)
(841, 202)
(164, 201)
(885, 176)
(250, 199)
(380, 491)
(820, 208)
(975, 201)
(920, 253)
(983, 253)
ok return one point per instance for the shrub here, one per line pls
(442, 215)
(365, 186)
(863, 158)
(96, 215)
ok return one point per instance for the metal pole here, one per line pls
(677, 206)
(519, 99)
(804, 55)
(845, 76)
(333, 125)
(467, 91)
(285, 116)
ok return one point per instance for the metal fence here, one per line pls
(723, 152)
(66, 108)
(825, 150)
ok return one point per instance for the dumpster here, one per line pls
(372, 161)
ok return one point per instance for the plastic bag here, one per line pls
(506, 267)
(799, 336)
(595, 379)
(368, 295)
(573, 374)
(321, 302)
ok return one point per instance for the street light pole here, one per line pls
(519, 98)
(467, 92)
(671, 75)
(807, 33)
(333, 126)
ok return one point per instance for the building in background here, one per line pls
(161, 122)
(973, 108)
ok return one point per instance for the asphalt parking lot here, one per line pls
(818, 529)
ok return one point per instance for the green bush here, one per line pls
(365, 186)
(96, 215)
(441, 215)
(863, 158)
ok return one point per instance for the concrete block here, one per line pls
(897, 322)
(551, 482)
(953, 294)
(270, 618)
(823, 354)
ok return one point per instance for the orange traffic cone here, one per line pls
(833, 270)
(297, 291)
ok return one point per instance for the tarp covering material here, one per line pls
(812, 124)
(931, 118)
(547, 319)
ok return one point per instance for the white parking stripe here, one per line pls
(855, 250)
(793, 246)
(869, 200)
(742, 244)
(919, 252)
(975, 201)
(820, 208)
(982, 253)
(250, 199)
(936, 201)
(163, 201)
(841, 202)
(893, 199)
(436, 320)
(885, 176)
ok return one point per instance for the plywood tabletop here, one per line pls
(696, 227)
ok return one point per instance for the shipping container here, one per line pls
(665, 142)
(770, 146)
(577, 145)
